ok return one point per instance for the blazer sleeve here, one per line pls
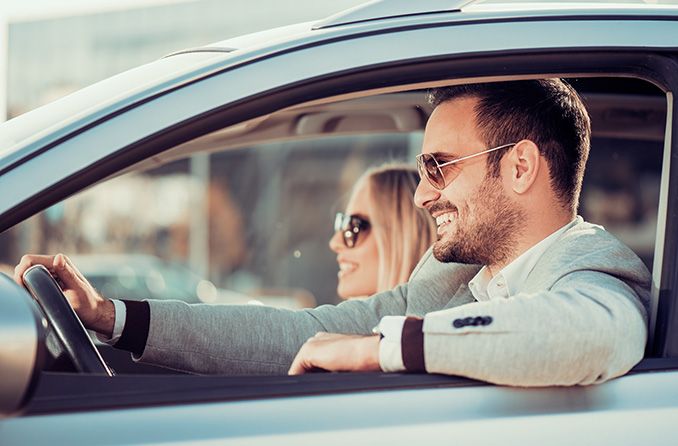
(587, 328)
(250, 339)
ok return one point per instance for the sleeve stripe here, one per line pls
(135, 333)
(413, 345)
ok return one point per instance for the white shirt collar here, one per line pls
(509, 280)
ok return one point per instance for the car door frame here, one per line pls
(62, 170)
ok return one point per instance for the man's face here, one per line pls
(477, 220)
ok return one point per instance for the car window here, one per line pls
(249, 222)
(622, 180)
(269, 200)
(244, 225)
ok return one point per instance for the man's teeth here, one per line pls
(444, 218)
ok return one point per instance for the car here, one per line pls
(139, 277)
(289, 117)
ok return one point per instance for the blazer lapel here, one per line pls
(461, 297)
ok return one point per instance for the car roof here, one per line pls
(31, 132)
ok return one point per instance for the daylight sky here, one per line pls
(33, 9)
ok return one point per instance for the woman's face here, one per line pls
(359, 265)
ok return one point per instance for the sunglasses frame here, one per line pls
(350, 226)
(424, 173)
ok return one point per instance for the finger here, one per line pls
(31, 260)
(67, 273)
(323, 336)
(297, 367)
(73, 268)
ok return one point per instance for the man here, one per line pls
(557, 301)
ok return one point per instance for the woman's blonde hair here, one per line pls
(403, 231)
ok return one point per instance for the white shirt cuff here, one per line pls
(118, 325)
(390, 346)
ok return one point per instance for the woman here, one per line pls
(382, 235)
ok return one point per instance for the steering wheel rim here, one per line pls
(65, 323)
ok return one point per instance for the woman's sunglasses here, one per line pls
(350, 226)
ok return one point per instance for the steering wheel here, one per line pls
(68, 329)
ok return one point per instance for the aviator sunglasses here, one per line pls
(350, 226)
(431, 169)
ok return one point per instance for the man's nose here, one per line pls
(425, 194)
(336, 242)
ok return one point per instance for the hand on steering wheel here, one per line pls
(66, 325)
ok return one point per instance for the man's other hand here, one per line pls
(337, 353)
(95, 312)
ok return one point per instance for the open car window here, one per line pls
(243, 215)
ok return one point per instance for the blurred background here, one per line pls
(53, 47)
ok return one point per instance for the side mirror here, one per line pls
(22, 346)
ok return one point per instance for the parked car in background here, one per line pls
(138, 277)
(141, 277)
(284, 121)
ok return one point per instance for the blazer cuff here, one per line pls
(390, 357)
(412, 342)
(135, 334)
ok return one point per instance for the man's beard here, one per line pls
(485, 236)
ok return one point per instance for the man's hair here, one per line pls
(548, 112)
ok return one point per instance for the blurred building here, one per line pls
(56, 47)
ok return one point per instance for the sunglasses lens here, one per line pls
(428, 167)
(350, 226)
(349, 238)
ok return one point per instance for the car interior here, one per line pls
(269, 186)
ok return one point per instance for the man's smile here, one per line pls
(444, 214)
(444, 220)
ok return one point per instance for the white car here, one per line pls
(257, 103)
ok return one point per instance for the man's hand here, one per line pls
(337, 353)
(95, 312)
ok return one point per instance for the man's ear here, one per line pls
(526, 163)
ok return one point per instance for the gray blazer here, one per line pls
(580, 318)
